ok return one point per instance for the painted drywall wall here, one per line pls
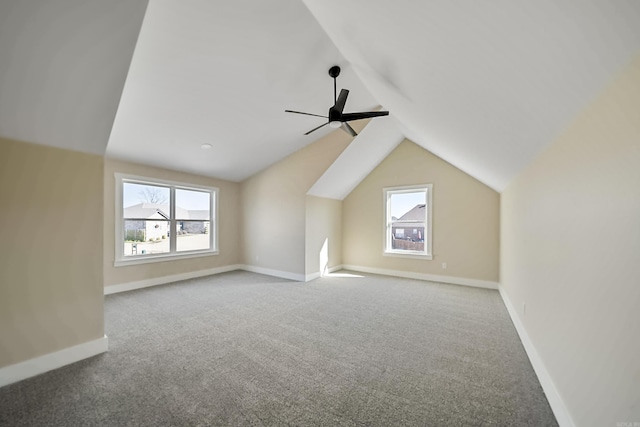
(465, 218)
(228, 226)
(51, 294)
(570, 251)
(274, 205)
(323, 244)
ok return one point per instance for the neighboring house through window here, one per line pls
(158, 220)
(408, 218)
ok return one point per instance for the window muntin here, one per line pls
(158, 220)
(408, 221)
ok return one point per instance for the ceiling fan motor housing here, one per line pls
(334, 115)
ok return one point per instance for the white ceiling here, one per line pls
(223, 73)
(63, 64)
(376, 141)
(484, 85)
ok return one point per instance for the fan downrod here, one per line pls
(336, 117)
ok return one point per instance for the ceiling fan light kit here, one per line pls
(336, 118)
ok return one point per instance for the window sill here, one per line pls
(408, 254)
(161, 258)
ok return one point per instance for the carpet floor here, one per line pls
(243, 349)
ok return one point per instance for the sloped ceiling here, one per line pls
(483, 84)
(222, 73)
(372, 145)
(63, 64)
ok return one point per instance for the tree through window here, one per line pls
(159, 219)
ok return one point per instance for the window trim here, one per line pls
(121, 260)
(386, 226)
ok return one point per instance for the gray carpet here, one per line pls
(245, 349)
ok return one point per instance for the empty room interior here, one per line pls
(320, 212)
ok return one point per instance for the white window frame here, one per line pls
(387, 250)
(122, 260)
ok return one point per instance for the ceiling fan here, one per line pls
(336, 118)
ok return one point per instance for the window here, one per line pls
(408, 216)
(159, 220)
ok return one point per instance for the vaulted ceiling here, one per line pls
(484, 85)
(63, 64)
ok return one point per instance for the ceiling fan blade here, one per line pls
(342, 99)
(314, 129)
(306, 114)
(359, 116)
(348, 129)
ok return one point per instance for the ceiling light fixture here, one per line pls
(206, 146)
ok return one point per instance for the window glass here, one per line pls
(162, 219)
(407, 220)
(193, 212)
(192, 204)
(142, 196)
(146, 237)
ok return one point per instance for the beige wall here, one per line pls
(323, 234)
(571, 252)
(465, 218)
(51, 294)
(228, 226)
(274, 205)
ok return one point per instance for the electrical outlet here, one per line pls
(444, 265)
(257, 258)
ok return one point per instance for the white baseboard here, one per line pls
(123, 287)
(39, 365)
(487, 284)
(335, 268)
(276, 273)
(48, 362)
(555, 400)
(313, 276)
